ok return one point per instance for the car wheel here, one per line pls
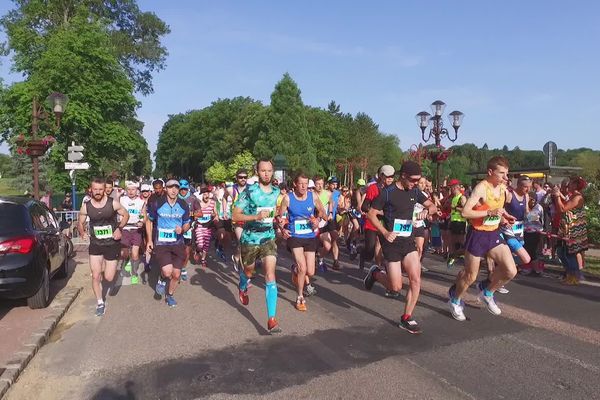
(40, 299)
(63, 271)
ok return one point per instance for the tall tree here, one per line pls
(135, 36)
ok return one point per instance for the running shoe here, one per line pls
(310, 290)
(369, 280)
(127, 267)
(300, 304)
(184, 274)
(491, 305)
(273, 326)
(204, 263)
(220, 253)
(170, 300)
(235, 264)
(457, 311)
(450, 262)
(322, 267)
(244, 299)
(135, 280)
(503, 290)
(409, 325)
(353, 252)
(424, 269)
(294, 275)
(144, 278)
(160, 287)
(100, 309)
(336, 265)
(391, 294)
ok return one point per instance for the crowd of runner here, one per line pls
(388, 223)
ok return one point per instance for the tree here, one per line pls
(287, 129)
(135, 36)
(78, 59)
(217, 173)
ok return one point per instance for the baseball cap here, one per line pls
(361, 182)
(387, 170)
(131, 184)
(453, 182)
(158, 182)
(184, 184)
(172, 182)
(311, 183)
(333, 179)
(146, 187)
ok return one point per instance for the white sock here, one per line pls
(100, 302)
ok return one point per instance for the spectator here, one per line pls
(47, 199)
(540, 192)
(534, 225)
(67, 204)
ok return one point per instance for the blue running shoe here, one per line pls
(160, 287)
(100, 309)
(171, 302)
(322, 267)
(184, 274)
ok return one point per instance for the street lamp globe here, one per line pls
(57, 102)
(437, 107)
(423, 119)
(455, 118)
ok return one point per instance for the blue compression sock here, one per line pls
(487, 293)
(271, 297)
(243, 280)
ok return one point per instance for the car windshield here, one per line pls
(13, 218)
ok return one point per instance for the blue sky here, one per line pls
(523, 72)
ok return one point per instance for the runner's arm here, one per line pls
(122, 212)
(478, 194)
(319, 207)
(81, 220)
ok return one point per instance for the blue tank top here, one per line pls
(299, 214)
(516, 208)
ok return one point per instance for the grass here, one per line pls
(592, 266)
(6, 189)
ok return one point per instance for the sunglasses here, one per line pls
(413, 180)
(242, 177)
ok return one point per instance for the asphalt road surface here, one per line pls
(347, 345)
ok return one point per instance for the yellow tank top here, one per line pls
(491, 202)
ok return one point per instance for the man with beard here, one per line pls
(105, 235)
(255, 208)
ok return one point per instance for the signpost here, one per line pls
(75, 153)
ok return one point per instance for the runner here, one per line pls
(168, 219)
(458, 224)
(397, 203)
(241, 177)
(131, 237)
(420, 229)
(517, 206)
(206, 217)
(255, 208)
(300, 205)
(224, 226)
(485, 210)
(105, 233)
(327, 227)
(193, 208)
(111, 191)
(372, 247)
(355, 217)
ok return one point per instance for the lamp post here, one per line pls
(437, 130)
(37, 147)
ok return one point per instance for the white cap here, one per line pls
(146, 187)
(131, 184)
(311, 183)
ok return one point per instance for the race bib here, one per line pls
(302, 227)
(269, 219)
(103, 232)
(166, 235)
(491, 221)
(517, 228)
(205, 218)
(133, 211)
(188, 234)
(403, 227)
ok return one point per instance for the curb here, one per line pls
(10, 372)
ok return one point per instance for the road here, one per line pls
(544, 346)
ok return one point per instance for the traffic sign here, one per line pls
(75, 165)
(75, 153)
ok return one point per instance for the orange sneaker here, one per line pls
(300, 304)
(244, 299)
(273, 326)
(294, 275)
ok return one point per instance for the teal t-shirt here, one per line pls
(251, 201)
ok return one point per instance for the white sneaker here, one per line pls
(503, 290)
(490, 303)
(457, 311)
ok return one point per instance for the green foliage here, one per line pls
(199, 143)
(77, 58)
(5, 165)
(134, 36)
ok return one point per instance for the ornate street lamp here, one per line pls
(437, 131)
(36, 147)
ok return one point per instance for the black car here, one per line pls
(32, 250)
